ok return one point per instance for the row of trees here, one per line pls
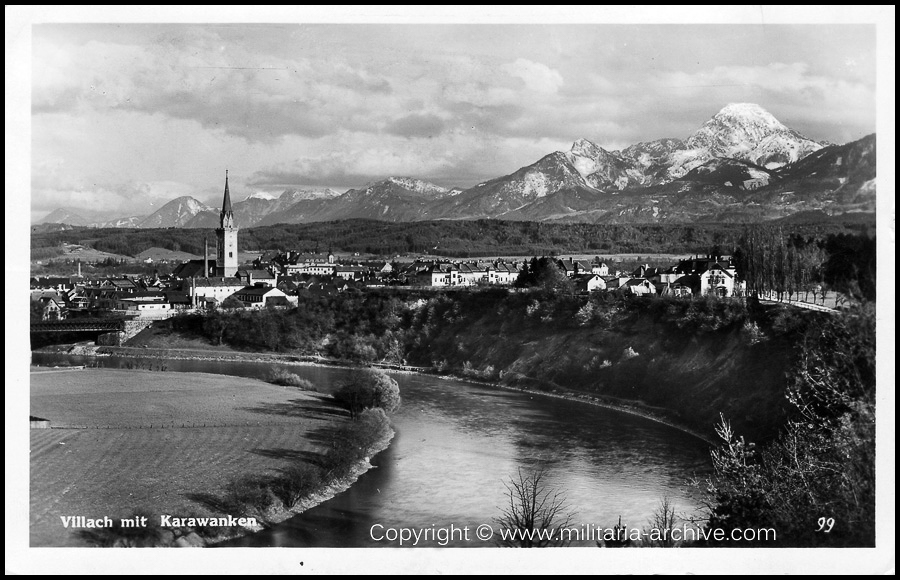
(770, 260)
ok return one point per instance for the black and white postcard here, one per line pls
(402, 289)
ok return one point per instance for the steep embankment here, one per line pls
(694, 360)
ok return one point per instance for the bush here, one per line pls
(296, 482)
(280, 376)
(232, 302)
(248, 495)
(369, 388)
(353, 441)
(372, 425)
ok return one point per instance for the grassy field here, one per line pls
(158, 442)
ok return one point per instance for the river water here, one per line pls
(457, 443)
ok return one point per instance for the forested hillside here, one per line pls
(447, 238)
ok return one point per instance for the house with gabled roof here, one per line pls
(261, 296)
(215, 288)
(599, 267)
(638, 286)
(586, 283)
(52, 308)
(572, 267)
(470, 274)
(503, 273)
(717, 280)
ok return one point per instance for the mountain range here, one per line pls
(740, 165)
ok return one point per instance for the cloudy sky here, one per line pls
(125, 117)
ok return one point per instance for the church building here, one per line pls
(227, 238)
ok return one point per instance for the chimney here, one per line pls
(205, 257)
(79, 268)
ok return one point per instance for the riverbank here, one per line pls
(129, 442)
(656, 414)
(569, 395)
(278, 513)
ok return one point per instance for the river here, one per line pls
(457, 443)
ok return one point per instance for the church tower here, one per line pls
(226, 235)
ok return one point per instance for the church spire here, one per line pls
(226, 203)
(226, 218)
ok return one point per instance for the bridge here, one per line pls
(80, 325)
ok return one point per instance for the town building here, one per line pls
(257, 277)
(586, 283)
(262, 296)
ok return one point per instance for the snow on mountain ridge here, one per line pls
(417, 185)
(261, 195)
(176, 213)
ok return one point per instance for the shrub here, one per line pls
(368, 388)
(585, 314)
(372, 425)
(232, 302)
(353, 441)
(296, 482)
(248, 494)
(753, 333)
(280, 376)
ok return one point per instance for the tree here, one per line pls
(662, 524)
(535, 514)
(368, 388)
(36, 311)
(214, 325)
(232, 302)
(552, 279)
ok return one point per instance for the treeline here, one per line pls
(104, 267)
(443, 238)
(356, 328)
(788, 263)
(408, 326)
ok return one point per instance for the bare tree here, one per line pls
(535, 514)
(662, 523)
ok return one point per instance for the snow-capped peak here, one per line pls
(261, 195)
(585, 148)
(750, 113)
(743, 131)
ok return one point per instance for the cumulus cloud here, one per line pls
(119, 110)
(799, 98)
(256, 96)
(106, 200)
(538, 77)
